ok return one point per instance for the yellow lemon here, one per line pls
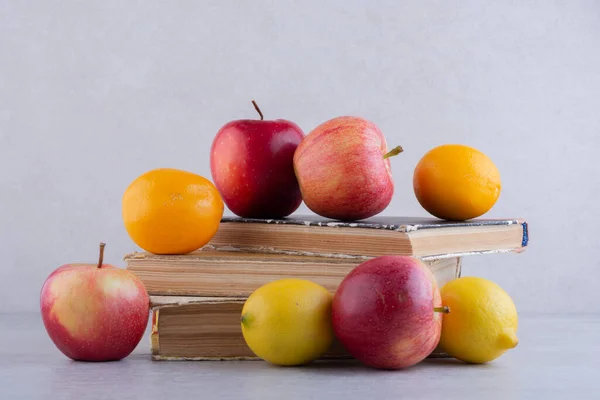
(482, 322)
(288, 321)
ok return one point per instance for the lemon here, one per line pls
(288, 321)
(482, 322)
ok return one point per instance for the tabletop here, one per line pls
(557, 357)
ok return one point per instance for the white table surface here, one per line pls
(558, 357)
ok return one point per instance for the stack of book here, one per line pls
(197, 298)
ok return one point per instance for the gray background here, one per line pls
(94, 93)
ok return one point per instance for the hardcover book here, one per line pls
(377, 236)
(207, 329)
(237, 274)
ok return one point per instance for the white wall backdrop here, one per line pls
(94, 93)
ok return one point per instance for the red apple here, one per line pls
(94, 312)
(387, 312)
(252, 166)
(343, 169)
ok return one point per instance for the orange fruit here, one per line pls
(456, 182)
(169, 211)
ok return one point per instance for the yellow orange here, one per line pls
(288, 321)
(456, 182)
(482, 322)
(170, 211)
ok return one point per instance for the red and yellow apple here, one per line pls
(387, 312)
(343, 169)
(251, 163)
(94, 312)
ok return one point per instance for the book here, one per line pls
(196, 328)
(377, 236)
(209, 273)
(207, 329)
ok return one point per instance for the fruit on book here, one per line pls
(387, 312)
(288, 321)
(482, 322)
(456, 182)
(343, 169)
(251, 162)
(170, 211)
(94, 312)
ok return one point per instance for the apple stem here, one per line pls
(393, 152)
(101, 258)
(442, 309)
(257, 110)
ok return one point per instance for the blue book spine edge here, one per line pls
(525, 235)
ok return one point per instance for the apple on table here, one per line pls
(251, 163)
(94, 312)
(387, 312)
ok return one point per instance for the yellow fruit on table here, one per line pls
(170, 211)
(288, 321)
(456, 182)
(482, 322)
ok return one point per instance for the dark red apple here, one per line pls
(252, 166)
(387, 312)
(94, 312)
